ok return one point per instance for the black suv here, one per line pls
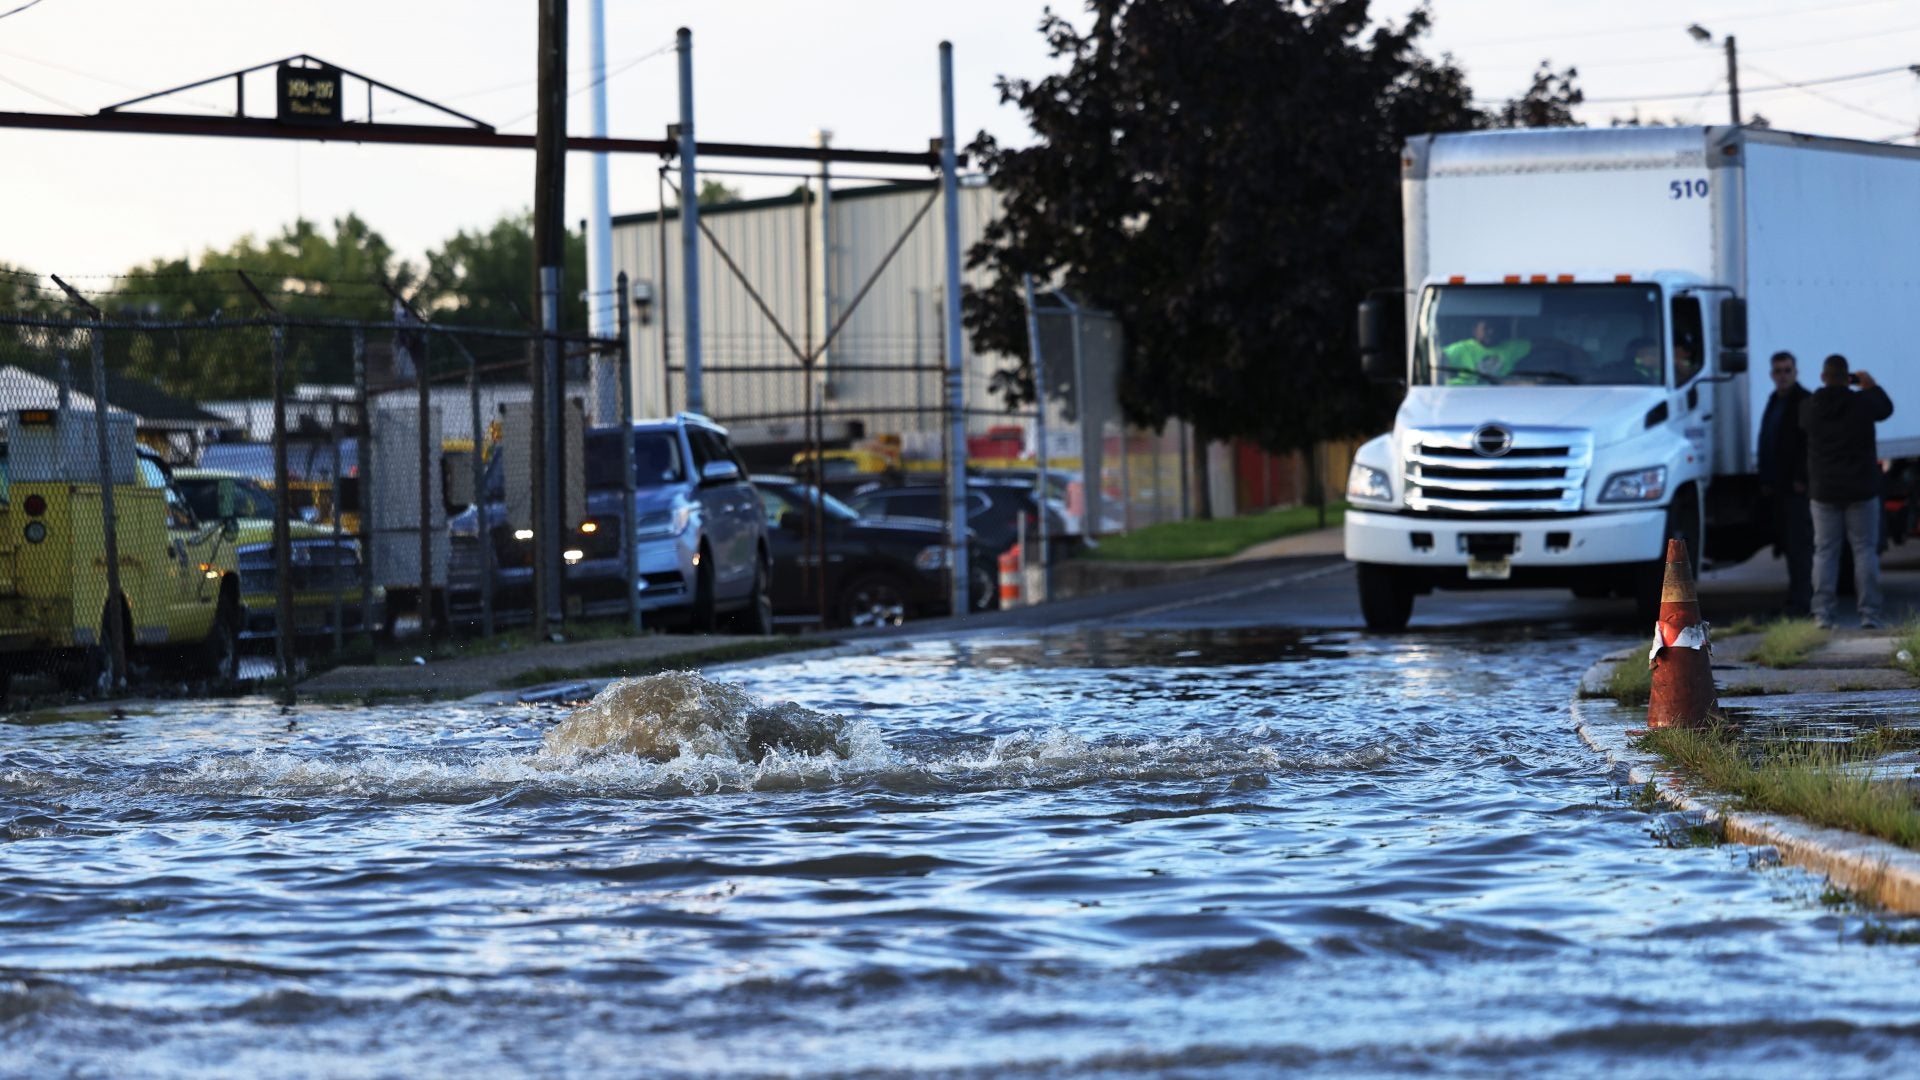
(994, 508)
(879, 572)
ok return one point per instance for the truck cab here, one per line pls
(179, 602)
(1554, 432)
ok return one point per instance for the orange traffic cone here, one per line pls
(1010, 578)
(1682, 668)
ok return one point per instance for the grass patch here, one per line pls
(1906, 644)
(1175, 541)
(1630, 682)
(1745, 624)
(1788, 643)
(1808, 781)
(692, 658)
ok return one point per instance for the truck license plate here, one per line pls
(1489, 569)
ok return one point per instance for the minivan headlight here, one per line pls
(931, 558)
(1368, 484)
(1636, 486)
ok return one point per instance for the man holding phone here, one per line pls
(1843, 484)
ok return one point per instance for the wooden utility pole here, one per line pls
(548, 362)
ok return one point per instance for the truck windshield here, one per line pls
(1539, 335)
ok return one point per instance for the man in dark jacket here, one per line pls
(1783, 481)
(1843, 481)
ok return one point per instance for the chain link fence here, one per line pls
(1119, 476)
(213, 501)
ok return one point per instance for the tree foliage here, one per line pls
(1547, 102)
(485, 277)
(1223, 176)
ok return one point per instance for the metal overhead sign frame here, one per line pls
(337, 127)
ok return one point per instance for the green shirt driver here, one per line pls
(1482, 359)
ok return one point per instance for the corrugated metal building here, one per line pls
(753, 382)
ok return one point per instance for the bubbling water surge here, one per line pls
(680, 714)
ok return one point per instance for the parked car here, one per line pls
(701, 536)
(994, 508)
(878, 572)
(320, 564)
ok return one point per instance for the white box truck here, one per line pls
(1578, 313)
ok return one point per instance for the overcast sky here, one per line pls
(766, 71)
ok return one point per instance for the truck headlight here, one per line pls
(931, 558)
(671, 522)
(1637, 486)
(1368, 484)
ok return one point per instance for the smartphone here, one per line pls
(1853, 380)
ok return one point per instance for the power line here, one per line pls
(1802, 85)
(21, 8)
(48, 98)
(629, 65)
(1645, 27)
(1862, 110)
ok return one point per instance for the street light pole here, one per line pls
(1705, 37)
(1733, 80)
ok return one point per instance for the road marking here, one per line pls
(1234, 594)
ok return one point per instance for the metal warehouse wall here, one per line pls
(899, 322)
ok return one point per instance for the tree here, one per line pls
(1547, 102)
(717, 193)
(485, 277)
(21, 292)
(1223, 177)
(304, 272)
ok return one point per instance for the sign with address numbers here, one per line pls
(309, 95)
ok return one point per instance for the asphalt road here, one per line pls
(1318, 592)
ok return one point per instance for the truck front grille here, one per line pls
(316, 564)
(1540, 470)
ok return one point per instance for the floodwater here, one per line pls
(1090, 854)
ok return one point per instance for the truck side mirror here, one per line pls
(1733, 322)
(1380, 354)
(1733, 335)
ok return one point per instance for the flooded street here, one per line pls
(1093, 852)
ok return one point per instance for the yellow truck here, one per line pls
(181, 597)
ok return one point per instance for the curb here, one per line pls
(1882, 871)
(578, 689)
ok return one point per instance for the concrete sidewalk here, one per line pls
(484, 666)
(1850, 685)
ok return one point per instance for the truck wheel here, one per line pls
(984, 592)
(756, 619)
(1386, 597)
(219, 659)
(93, 672)
(701, 619)
(1683, 523)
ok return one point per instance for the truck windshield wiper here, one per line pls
(1456, 369)
(1535, 373)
